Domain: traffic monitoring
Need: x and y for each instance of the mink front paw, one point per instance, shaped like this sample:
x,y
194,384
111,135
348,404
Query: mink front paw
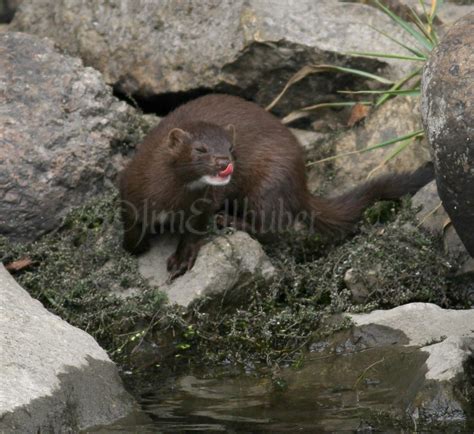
x,y
181,261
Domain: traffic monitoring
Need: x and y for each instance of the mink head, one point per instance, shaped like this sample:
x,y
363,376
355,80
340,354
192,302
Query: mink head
x,y
202,154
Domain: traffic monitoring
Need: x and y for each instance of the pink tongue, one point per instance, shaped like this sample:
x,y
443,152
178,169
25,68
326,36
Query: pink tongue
x,y
227,171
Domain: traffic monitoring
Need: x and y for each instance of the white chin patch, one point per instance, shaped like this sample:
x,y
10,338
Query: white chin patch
x,y
209,180
216,180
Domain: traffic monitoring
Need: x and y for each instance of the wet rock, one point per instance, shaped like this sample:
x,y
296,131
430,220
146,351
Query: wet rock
x,y
448,117
447,336
224,265
395,118
55,377
437,331
148,48
63,135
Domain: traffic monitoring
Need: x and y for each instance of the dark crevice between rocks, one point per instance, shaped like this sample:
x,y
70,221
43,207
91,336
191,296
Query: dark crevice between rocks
x,y
163,103
7,11
324,88
6,16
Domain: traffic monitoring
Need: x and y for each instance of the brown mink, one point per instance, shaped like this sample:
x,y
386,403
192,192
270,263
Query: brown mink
x,y
222,154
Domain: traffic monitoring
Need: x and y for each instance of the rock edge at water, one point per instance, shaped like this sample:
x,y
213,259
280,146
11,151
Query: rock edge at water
x,y
54,377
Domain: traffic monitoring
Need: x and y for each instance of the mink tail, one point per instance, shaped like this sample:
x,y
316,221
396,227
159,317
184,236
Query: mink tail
x,y
338,215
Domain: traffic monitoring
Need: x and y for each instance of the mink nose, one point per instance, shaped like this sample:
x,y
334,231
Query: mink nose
x,y
222,163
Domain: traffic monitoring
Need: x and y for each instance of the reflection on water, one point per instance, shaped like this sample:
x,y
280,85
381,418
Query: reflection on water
x,y
330,393
215,403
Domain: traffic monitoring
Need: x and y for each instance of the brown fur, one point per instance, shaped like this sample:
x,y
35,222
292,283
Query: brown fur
x,y
269,176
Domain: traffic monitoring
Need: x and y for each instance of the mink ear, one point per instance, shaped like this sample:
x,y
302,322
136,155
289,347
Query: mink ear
x,y
230,128
177,138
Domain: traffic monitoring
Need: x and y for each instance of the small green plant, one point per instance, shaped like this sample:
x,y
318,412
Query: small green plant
x,y
424,38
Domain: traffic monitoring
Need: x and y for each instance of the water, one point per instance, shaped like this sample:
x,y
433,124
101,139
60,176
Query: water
x,y
331,393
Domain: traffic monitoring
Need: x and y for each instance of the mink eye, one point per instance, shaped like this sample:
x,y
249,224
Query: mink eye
x,y
201,149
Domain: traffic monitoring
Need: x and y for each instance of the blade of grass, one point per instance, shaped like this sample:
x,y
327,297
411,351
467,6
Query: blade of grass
x,y
434,35
417,83
429,19
435,4
406,26
398,85
299,75
387,55
361,73
371,148
401,146
430,213
312,69
406,92
401,44
421,25
305,111
425,12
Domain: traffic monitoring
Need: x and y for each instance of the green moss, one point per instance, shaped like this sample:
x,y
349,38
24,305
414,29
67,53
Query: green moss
x,y
280,320
80,272
381,212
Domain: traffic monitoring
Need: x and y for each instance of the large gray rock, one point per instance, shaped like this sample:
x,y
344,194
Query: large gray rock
x,y
222,269
253,47
54,377
446,335
395,118
442,389
448,117
62,135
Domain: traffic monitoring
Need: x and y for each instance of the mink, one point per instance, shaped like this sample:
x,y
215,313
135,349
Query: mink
x,y
222,155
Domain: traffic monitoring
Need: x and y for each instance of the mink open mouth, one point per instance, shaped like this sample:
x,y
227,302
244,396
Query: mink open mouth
x,y
216,180
227,171
222,178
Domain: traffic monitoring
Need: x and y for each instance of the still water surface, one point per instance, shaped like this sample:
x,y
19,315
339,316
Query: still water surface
x,y
329,394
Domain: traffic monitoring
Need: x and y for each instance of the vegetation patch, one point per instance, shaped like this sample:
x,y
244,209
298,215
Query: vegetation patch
x,y
81,273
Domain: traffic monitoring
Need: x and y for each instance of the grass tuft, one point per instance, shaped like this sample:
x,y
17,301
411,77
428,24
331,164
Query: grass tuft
x,y
425,39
